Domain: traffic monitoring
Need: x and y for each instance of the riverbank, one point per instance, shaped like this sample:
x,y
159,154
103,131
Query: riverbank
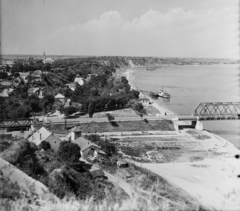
x,y
199,162
212,176
129,73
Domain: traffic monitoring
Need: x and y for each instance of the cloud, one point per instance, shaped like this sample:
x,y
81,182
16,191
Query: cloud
x,y
176,33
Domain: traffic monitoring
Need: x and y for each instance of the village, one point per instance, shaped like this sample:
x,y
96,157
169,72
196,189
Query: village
x,y
110,129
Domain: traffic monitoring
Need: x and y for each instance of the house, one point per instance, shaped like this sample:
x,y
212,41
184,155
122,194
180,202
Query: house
x,y
79,80
48,61
71,86
60,97
85,145
10,63
54,142
89,149
35,90
44,135
4,93
9,90
39,136
76,132
32,90
38,72
6,83
24,75
145,101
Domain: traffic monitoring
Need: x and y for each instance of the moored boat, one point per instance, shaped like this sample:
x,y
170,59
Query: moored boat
x,y
163,94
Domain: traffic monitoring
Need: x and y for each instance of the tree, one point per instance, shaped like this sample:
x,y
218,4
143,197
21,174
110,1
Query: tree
x,y
44,145
91,109
110,117
69,152
34,103
47,102
70,110
137,107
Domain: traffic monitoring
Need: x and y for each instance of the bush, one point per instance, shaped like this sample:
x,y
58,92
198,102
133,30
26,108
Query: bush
x,y
110,117
70,110
44,145
69,151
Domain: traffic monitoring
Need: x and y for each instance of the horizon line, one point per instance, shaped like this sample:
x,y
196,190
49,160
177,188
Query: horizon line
x,y
66,55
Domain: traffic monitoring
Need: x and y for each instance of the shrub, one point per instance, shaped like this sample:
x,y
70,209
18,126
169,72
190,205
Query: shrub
x,y
70,110
69,152
44,145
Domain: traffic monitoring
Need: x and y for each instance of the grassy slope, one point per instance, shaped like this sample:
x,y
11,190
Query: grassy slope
x,y
92,127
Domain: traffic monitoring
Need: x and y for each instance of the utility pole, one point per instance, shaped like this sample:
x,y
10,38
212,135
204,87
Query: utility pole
x,y
65,123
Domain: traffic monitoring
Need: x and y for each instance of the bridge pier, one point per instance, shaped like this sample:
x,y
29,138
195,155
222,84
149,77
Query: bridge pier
x,y
198,125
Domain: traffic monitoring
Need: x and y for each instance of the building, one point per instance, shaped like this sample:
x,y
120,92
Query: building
x,y
54,142
38,72
76,132
4,94
71,86
6,83
24,76
90,150
39,136
48,61
79,80
35,90
85,145
44,135
145,101
60,97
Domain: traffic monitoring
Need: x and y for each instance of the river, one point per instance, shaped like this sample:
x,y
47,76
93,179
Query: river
x,y
190,85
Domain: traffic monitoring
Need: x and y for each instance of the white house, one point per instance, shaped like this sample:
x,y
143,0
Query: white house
x,y
39,136
48,61
44,135
75,133
4,93
60,97
145,101
79,80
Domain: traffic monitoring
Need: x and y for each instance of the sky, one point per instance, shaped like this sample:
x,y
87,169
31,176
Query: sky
x,y
159,28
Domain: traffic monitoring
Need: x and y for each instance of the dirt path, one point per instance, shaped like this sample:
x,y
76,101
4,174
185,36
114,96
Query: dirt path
x,y
120,182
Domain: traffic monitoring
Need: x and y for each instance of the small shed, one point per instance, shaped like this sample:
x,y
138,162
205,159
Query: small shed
x,y
144,101
76,132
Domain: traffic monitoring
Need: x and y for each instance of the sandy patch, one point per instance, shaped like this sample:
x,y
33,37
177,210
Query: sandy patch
x,y
213,182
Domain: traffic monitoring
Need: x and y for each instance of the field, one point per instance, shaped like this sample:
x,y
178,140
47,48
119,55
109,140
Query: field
x,y
163,149
152,125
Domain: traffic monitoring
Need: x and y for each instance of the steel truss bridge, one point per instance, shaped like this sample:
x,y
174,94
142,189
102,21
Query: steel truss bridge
x,y
15,123
218,111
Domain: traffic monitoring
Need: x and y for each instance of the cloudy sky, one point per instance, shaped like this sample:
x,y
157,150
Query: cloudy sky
x,y
162,28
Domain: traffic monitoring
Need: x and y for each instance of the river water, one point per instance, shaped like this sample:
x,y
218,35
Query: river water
x,y
190,85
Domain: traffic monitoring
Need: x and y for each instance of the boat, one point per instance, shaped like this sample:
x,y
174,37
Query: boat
x,y
163,94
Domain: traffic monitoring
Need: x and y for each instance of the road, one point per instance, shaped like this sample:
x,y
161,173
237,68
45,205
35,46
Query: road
x,y
87,120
